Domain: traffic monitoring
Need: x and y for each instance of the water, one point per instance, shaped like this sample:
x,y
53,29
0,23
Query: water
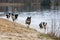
x,y
38,17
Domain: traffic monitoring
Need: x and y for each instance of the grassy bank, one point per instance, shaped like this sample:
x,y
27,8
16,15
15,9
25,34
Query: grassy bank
x,y
15,31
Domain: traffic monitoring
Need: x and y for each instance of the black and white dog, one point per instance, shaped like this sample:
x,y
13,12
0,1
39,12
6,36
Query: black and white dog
x,y
8,15
28,21
14,16
43,25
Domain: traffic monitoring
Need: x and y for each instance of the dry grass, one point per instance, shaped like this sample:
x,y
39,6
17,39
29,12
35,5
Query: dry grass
x,y
14,31
48,36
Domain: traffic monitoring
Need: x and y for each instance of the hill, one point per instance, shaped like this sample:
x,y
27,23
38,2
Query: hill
x,y
15,31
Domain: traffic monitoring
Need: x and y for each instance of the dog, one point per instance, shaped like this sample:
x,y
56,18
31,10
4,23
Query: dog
x,y
8,15
43,25
14,17
28,21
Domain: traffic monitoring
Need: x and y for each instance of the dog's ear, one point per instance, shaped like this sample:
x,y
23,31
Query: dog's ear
x,y
9,13
30,16
27,17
